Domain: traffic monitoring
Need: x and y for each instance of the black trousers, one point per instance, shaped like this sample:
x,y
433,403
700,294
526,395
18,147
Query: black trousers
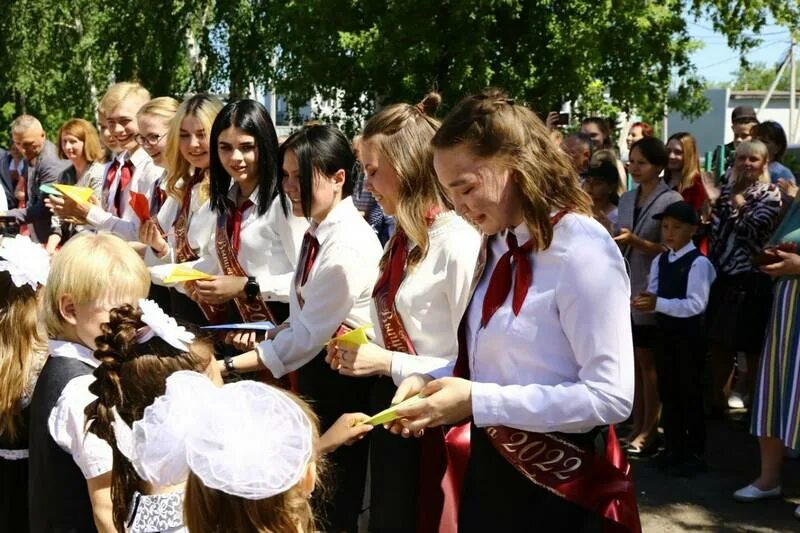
x,y
332,395
393,469
680,353
496,497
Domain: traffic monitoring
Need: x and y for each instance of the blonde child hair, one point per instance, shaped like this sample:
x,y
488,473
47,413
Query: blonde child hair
x,y
91,267
119,92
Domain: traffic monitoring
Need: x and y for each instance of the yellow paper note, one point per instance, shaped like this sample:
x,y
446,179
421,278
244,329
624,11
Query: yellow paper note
x,y
358,336
182,274
79,194
390,414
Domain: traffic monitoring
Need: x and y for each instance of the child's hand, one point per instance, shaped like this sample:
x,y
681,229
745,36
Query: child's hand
x,y
625,236
644,302
349,428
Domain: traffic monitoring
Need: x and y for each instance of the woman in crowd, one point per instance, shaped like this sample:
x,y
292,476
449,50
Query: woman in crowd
x,y
742,221
252,244
423,289
640,241
178,232
79,143
776,409
330,293
23,349
602,184
683,170
637,131
555,354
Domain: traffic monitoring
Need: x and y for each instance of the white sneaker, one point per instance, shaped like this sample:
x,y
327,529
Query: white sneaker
x,y
735,401
751,493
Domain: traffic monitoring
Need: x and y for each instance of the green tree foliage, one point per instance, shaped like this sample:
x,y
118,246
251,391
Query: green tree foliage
x,y
604,55
759,77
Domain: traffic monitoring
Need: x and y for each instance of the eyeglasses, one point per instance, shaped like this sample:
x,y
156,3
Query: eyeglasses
x,y
148,140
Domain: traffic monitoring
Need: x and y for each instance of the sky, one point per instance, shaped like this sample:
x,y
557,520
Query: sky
x,y
717,63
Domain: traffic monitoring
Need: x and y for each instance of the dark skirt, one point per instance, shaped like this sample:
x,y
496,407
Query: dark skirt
x,y
738,310
331,395
13,494
496,497
394,470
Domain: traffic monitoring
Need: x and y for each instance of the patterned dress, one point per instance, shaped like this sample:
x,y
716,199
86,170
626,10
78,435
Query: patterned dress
x,y
156,513
776,407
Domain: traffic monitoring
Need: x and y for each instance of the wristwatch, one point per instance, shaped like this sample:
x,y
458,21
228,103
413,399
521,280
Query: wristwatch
x,y
251,288
229,368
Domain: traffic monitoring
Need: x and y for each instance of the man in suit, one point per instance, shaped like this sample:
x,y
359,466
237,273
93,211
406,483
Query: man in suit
x,y
43,166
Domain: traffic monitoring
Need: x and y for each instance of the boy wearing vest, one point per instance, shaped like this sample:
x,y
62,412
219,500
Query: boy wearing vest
x,y
677,291
69,469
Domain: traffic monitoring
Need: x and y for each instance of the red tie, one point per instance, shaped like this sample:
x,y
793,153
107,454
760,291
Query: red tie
x,y
500,282
308,254
395,269
124,179
235,224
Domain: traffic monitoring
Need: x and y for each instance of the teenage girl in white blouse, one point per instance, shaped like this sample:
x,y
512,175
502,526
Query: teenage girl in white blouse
x,y
442,250
553,354
332,287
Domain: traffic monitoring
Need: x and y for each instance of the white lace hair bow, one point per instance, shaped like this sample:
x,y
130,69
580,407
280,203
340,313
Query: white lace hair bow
x,y
160,324
246,439
26,261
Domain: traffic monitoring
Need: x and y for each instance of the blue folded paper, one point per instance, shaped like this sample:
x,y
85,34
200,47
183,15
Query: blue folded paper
x,y
257,326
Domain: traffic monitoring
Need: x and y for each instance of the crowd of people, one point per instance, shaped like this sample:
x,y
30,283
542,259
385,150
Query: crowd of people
x,y
185,297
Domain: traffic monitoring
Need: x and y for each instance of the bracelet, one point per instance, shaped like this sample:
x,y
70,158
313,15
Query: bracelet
x,y
229,365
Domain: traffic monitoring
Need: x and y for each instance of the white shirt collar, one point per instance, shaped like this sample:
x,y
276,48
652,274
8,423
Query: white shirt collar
x,y
72,350
139,157
683,251
233,194
343,211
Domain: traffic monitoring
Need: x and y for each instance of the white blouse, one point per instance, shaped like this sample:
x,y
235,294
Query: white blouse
x,y
199,233
566,362
434,295
126,225
67,421
268,246
338,290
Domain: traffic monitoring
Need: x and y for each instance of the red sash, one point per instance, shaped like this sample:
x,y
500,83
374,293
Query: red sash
x,y
255,310
433,459
215,314
600,484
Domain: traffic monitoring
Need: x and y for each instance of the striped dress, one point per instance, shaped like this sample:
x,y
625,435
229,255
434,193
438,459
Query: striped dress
x,y
776,407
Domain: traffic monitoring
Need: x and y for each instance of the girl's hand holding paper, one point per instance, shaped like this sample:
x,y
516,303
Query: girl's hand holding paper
x,y
348,429
220,289
367,359
445,401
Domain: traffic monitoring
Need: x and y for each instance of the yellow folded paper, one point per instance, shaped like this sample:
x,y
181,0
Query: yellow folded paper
x,y
390,414
78,194
181,274
358,336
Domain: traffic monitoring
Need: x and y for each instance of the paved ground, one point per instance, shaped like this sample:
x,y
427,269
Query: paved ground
x,y
704,503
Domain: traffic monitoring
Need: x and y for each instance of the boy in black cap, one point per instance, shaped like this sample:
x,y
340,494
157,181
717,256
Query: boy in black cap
x,y
680,281
743,118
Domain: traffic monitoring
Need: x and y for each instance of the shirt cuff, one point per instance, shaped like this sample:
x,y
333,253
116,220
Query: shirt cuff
x,y
397,368
97,217
266,353
443,372
662,306
486,405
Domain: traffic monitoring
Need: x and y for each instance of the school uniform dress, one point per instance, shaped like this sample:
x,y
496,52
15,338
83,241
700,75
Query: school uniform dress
x,y
127,172
556,359
266,246
640,221
63,455
681,280
429,303
776,405
188,225
741,296
156,513
332,288
14,466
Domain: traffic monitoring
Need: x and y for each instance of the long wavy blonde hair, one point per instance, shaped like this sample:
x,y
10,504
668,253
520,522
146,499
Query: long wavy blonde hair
x,y
205,107
22,342
492,125
403,133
